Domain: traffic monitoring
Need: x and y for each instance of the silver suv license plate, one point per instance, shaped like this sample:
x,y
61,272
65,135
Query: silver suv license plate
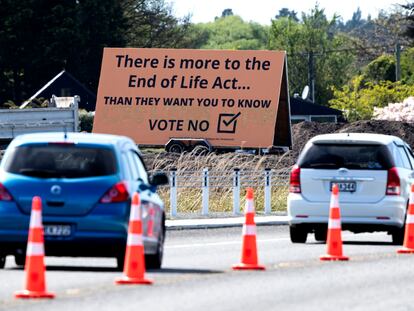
x,y
57,230
349,186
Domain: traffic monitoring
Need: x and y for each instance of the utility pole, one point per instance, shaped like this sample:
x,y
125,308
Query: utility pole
x,y
397,61
311,76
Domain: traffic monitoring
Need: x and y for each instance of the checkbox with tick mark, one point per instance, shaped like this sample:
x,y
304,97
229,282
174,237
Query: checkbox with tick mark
x,y
227,123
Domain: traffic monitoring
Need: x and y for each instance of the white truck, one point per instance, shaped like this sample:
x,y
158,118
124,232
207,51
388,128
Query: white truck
x,y
14,122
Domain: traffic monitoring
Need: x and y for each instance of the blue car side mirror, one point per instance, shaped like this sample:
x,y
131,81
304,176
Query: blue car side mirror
x,y
144,187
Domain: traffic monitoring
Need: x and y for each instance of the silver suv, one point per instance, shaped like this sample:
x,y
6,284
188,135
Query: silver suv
x,y
374,173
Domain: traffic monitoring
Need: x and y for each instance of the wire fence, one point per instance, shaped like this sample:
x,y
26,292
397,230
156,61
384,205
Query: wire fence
x,y
213,191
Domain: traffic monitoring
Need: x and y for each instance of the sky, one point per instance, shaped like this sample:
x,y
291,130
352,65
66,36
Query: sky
x,y
262,11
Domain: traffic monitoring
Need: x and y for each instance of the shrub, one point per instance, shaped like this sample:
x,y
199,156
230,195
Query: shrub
x,y
358,99
85,120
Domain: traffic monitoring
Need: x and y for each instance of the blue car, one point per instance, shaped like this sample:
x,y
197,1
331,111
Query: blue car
x,y
85,182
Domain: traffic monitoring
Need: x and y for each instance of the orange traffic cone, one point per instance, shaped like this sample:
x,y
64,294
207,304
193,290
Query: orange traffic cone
x,y
249,259
334,240
34,266
408,245
134,267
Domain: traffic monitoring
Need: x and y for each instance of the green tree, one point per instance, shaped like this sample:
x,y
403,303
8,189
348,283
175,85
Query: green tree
x,y
232,33
99,24
379,36
197,36
39,38
355,22
409,10
313,40
227,12
407,66
285,12
380,69
151,23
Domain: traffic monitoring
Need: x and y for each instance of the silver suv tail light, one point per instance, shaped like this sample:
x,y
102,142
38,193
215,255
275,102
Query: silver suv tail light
x,y
393,182
294,185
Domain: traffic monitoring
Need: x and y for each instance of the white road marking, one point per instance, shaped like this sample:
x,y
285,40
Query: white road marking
x,y
191,245
222,243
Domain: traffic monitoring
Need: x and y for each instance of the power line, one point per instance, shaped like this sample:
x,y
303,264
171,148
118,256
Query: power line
x,y
361,49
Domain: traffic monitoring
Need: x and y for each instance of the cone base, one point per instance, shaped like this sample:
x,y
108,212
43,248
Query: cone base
x,y
127,280
26,294
244,266
405,250
333,258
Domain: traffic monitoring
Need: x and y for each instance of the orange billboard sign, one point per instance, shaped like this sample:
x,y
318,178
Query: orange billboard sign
x,y
229,98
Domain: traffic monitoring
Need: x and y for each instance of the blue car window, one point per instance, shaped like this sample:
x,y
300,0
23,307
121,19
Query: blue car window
x,y
61,161
142,172
133,166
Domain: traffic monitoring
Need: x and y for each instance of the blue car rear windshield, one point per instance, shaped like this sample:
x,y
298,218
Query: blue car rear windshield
x,y
358,157
61,161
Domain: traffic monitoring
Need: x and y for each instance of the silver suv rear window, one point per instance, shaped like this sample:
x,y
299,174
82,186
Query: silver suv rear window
x,y
359,157
61,161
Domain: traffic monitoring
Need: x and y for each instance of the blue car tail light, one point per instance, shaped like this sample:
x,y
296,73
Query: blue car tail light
x,y
4,194
117,193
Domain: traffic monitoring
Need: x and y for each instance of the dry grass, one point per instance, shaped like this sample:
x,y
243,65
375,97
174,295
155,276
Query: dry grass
x,y
220,162
189,168
221,202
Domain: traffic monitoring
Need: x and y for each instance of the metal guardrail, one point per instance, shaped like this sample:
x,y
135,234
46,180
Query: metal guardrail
x,y
206,180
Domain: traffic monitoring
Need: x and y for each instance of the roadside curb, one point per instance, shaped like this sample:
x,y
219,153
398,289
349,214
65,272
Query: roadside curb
x,y
183,224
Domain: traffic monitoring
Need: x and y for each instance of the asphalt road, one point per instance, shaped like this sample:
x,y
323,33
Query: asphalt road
x,y
197,275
